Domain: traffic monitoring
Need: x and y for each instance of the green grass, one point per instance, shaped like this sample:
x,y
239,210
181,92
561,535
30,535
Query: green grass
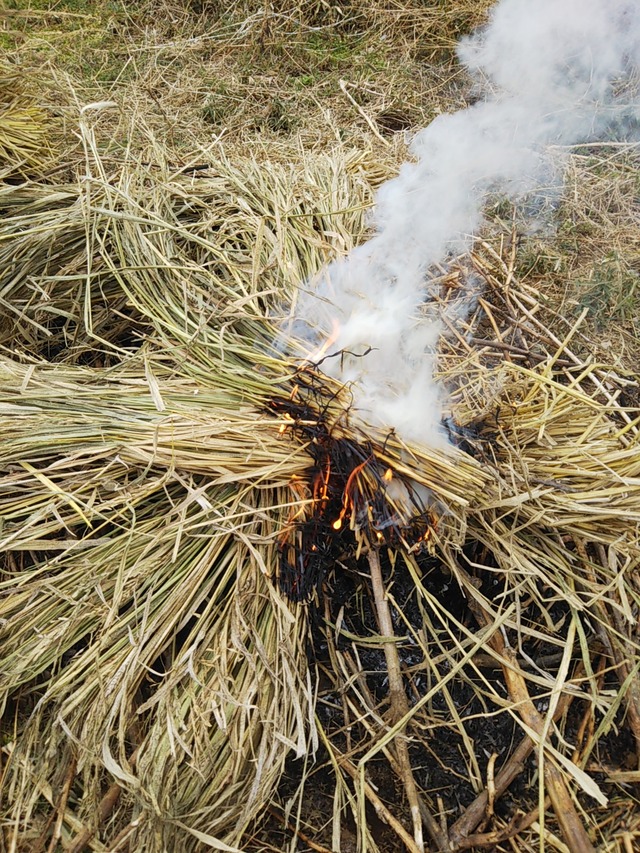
x,y
82,37
611,293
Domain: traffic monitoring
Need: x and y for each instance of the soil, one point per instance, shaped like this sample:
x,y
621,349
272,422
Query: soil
x,y
439,757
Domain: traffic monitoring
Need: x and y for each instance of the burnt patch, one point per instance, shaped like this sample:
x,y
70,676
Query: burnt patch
x,y
349,501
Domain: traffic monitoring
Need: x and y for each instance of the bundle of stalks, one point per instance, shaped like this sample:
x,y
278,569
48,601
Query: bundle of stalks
x,y
168,642
557,547
24,128
151,476
81,263
549,574
140,626
166,471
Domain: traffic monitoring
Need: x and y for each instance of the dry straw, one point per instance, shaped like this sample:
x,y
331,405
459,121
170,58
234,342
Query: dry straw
x,y
24,127
145,485
154,678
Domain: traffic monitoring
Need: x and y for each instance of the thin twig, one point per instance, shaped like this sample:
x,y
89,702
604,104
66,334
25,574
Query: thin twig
x,y
400,709
620,647
460,832
343,88
297,832
62,805
490,839
378,805
500,345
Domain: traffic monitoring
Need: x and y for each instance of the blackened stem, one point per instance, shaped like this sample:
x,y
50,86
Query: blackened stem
x,y
400,711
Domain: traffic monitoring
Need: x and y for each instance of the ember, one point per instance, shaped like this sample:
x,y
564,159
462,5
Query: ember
x,y
349,503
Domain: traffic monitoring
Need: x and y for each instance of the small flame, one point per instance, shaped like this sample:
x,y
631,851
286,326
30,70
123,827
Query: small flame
x,y
289,421
388,475
320,353
321,484
348,498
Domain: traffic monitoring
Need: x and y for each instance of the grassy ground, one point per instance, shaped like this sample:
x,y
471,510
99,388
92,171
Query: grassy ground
x,y
257,75
273,80
203,145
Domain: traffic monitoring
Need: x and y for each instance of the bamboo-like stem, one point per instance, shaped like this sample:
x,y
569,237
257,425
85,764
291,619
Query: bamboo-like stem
x,y
473,814
572,828
400,709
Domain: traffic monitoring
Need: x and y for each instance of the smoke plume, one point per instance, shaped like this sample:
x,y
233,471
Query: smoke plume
x,y
552,73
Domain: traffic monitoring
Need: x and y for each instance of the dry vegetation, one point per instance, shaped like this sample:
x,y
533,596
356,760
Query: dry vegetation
x,y
170,174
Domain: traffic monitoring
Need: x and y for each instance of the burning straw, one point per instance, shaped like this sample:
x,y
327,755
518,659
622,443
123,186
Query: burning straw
x,y
161,469
167,472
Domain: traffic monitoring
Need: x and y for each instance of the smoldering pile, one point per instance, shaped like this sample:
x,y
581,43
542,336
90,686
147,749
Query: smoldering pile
x,y
549,75
156,451
163,464
351,499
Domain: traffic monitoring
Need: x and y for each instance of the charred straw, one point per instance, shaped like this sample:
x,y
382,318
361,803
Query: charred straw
x,y
351,499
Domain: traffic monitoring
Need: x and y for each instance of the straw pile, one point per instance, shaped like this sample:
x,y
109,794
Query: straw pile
x,y
24,127
146,650
155,678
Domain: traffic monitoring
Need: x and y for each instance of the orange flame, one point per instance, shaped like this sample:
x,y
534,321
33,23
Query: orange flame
x,y
289,421
321,484
347,498
333,337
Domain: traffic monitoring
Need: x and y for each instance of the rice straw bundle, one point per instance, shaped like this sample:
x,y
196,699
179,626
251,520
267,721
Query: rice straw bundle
x,y
167,641
164,639
570,471
146,481
136,240
157,449
24,127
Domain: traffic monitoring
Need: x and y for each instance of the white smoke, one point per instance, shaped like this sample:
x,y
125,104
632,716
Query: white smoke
x,y
551,74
